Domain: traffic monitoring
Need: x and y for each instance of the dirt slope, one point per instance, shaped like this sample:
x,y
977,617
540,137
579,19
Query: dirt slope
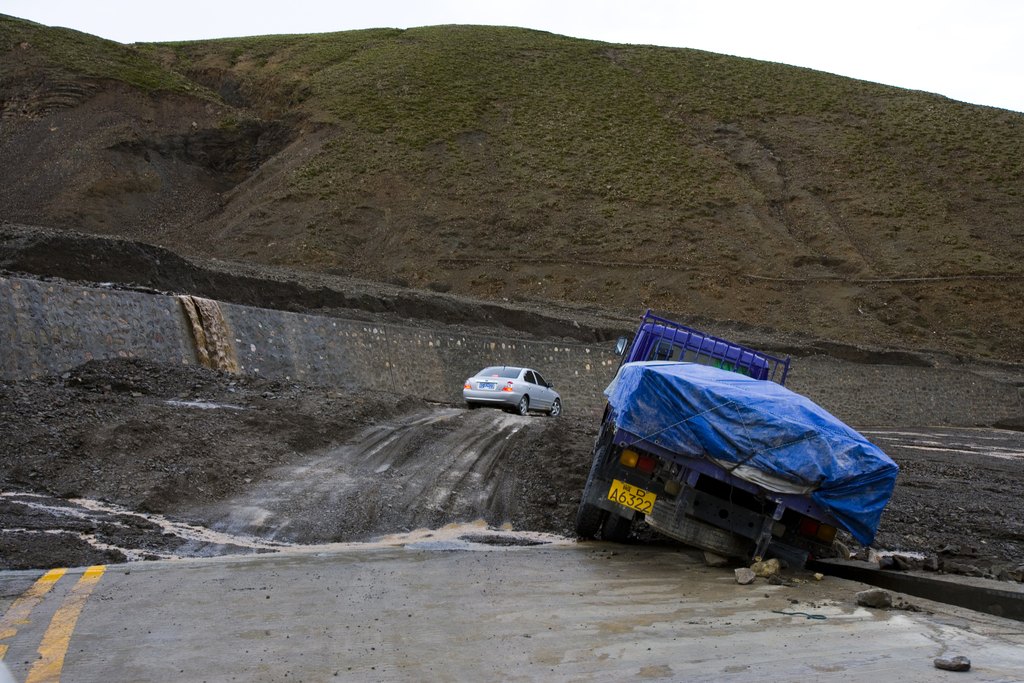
x,y
508,163
224,452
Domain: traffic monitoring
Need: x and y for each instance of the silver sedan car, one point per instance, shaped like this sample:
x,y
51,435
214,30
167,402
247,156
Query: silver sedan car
x,y
518,390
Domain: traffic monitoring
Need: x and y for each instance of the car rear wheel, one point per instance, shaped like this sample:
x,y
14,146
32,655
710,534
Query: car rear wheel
x,y
556,408
524,405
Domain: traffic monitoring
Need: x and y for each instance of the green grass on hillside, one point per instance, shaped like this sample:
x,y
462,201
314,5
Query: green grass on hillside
x,y
608,149
66,53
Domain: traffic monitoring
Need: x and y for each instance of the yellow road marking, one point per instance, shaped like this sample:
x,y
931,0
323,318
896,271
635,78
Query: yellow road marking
x,y
21,609
58,635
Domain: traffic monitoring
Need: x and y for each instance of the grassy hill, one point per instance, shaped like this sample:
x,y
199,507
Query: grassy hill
x,y
510,163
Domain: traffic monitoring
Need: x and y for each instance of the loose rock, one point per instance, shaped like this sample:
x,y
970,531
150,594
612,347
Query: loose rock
x,y
876,598
840,550
906,563
766,568
953,664
714,560
745,576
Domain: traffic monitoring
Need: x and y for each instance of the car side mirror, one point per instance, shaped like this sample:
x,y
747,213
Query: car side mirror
x,y
620,346
550,384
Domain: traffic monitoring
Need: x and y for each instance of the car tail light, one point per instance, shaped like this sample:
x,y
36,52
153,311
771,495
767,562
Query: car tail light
x,y
468,386
629,458
809,527
645,464
507,387
827,533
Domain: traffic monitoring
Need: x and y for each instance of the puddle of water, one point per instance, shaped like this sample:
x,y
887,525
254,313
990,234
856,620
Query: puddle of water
x,y
86,509
204,406
947,443
470,536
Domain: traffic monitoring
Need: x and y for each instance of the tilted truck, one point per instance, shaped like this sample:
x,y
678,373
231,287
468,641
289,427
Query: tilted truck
x,y
701,437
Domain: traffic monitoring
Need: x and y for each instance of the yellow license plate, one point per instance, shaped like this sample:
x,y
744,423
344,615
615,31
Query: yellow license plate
x,y
632,497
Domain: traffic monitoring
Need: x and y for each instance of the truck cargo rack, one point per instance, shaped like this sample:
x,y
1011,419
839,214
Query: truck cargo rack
x,y
670,341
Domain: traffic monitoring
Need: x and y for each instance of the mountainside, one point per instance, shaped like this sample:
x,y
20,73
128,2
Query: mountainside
x,y
509,163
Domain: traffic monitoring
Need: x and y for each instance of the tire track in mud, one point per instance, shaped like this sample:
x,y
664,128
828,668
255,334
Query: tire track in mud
x,y
424,471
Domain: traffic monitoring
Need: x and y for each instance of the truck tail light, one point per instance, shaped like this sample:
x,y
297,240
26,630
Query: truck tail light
x,y
629,458
645,464
507,387
809,527
827,533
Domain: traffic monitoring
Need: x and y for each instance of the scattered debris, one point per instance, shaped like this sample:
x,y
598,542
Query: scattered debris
x,y
902,604
900,563
875,597
766,568
953,664
779,580
714,560
745,576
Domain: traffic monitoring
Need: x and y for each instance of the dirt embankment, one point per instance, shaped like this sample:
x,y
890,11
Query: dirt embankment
x,y
207,448
263,463
68,255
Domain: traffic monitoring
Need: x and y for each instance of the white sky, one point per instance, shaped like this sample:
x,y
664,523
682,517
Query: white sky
x,y
970,50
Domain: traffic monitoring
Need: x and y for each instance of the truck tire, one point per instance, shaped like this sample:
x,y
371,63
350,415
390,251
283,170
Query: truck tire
x,y
616,528
590,518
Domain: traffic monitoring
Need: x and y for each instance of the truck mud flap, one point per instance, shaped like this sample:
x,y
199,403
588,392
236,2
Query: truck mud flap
x,y
598,495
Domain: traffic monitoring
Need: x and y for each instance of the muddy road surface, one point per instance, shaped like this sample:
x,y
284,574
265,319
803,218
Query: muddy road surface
x,y
127,459
130,459
423,470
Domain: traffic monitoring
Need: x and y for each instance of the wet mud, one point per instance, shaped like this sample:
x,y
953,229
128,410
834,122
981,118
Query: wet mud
x,y
125,460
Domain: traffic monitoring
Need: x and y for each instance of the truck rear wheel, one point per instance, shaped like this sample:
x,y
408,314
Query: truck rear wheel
x,y
590,518
616,528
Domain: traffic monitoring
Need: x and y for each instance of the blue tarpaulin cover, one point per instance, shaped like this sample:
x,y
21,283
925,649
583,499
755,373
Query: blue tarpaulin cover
x,y
703,411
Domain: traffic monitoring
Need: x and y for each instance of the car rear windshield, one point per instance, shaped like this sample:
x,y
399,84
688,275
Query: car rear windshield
x,y
499,371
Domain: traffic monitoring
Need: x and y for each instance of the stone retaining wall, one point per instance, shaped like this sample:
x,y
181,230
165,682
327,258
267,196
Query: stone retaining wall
x,y
48,328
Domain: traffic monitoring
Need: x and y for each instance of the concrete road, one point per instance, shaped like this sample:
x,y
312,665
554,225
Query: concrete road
x,y
419,612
